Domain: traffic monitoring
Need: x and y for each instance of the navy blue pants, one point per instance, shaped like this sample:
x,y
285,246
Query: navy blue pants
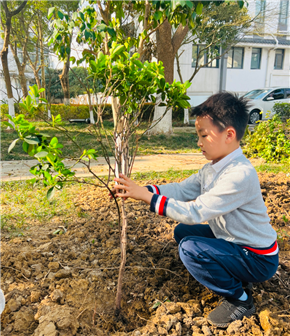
x,y
220,265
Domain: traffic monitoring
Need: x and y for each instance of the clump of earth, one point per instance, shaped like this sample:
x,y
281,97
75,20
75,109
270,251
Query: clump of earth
x,y
65,284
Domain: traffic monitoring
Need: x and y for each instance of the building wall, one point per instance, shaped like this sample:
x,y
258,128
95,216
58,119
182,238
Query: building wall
x,y
16,88
207,80
246,79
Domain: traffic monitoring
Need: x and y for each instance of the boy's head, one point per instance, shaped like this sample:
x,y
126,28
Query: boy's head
x,y
221,122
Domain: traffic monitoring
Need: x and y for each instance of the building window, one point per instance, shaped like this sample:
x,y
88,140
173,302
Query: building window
x,y
260,14
279,58
260,10
283,15
204,56
256,58
236,58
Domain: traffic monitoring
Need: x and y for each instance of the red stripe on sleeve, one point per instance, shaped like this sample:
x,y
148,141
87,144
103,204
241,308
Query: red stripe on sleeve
x,y
157,191
161,206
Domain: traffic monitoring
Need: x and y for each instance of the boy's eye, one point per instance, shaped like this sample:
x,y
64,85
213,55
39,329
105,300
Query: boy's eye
x,y
203,136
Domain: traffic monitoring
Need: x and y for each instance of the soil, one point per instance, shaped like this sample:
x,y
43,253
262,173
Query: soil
x,y
65,284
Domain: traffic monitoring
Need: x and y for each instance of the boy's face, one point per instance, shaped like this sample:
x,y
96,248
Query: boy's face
x,y
215,145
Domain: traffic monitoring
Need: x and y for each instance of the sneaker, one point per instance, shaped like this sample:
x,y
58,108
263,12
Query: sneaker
x,y
247,285
230,310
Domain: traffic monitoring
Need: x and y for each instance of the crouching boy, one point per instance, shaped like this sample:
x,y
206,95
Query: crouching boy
x,y
238,246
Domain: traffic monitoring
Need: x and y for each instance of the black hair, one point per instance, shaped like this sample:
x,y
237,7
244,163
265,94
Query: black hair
x,y
225,109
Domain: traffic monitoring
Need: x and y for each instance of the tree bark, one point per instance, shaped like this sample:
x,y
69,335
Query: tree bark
x,y
23,81
167,47
42,63
65,81
21,68
122,165
4,52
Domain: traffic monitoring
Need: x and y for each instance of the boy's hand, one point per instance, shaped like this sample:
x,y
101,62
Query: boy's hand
x,y
132,189
114,191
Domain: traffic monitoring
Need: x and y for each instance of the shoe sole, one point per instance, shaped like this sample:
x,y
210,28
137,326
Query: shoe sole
x,y
224,325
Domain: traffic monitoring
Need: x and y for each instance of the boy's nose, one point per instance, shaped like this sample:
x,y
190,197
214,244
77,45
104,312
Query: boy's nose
x,y
199,143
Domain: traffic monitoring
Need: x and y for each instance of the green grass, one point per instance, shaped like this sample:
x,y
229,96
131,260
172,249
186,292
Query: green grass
x,y
273,168
177,143
168,175
22,204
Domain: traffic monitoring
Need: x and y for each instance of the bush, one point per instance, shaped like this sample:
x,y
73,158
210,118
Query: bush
x,y
282,110
82,112
270,141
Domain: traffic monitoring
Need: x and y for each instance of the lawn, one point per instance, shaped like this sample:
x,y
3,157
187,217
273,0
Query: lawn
x,y
23,204
180,142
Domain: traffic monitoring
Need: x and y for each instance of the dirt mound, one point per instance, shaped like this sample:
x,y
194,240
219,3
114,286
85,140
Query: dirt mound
x,y
65,284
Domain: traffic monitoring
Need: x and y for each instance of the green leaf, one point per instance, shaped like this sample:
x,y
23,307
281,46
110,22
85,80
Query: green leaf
x,y
50,12
60,15
199,8
25,146
91,151
112,32
13,143
32,140
117,50
50,193
53,142
187,84
102,27
87,35
156,304
6,123
41,154
157,15
162,83
241,4
138,63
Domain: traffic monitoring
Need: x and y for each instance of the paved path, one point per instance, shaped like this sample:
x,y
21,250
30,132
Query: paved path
x,y
19,170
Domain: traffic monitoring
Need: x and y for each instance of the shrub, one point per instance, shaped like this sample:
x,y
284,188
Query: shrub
x,y
82,112
270,141
3,110
282,110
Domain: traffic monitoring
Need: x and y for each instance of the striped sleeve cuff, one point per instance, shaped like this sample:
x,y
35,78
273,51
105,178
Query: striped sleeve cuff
x,y
159,204
154,189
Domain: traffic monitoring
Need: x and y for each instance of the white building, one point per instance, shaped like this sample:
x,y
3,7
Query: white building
x,y
16,87
257,61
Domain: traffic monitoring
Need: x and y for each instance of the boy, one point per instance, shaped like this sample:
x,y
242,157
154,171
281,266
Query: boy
x,y
238,246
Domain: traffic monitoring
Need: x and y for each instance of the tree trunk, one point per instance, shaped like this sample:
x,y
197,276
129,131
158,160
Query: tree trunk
x,y
4,52
167,47
41,56
37,79
21,68
23,81
65,83
92,120
4,57
122,165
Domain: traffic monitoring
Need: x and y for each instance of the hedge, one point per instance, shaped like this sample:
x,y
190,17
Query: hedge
x,y
282,109
81,112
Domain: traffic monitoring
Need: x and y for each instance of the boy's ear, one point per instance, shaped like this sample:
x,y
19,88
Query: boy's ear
x,y
231,135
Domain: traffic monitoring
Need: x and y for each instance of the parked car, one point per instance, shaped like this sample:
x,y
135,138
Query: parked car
x,y
263,100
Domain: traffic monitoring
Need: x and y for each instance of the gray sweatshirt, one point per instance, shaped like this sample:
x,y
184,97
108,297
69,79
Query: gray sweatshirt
x,y
232,204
